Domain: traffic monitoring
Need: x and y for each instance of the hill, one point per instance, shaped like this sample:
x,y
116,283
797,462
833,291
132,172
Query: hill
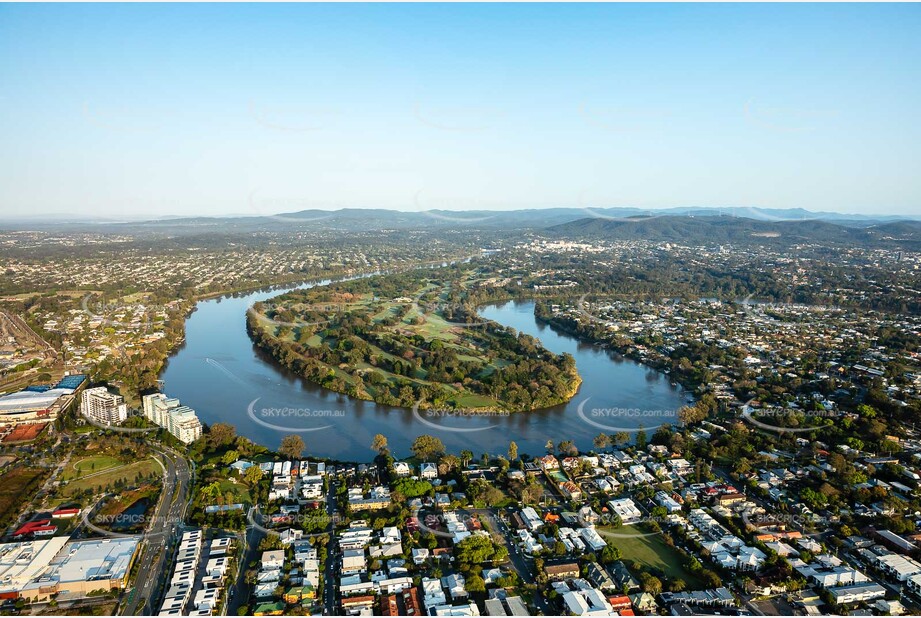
x,y
710,230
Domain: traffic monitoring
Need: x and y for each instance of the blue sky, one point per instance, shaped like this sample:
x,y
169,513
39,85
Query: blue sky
x,y
148,110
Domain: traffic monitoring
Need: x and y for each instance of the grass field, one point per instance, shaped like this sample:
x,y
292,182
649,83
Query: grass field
x,y
237,492
106,479
106,608
650,551
90,465
17,485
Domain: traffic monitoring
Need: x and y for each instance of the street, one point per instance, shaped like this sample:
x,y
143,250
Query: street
x,y
329,573
160,536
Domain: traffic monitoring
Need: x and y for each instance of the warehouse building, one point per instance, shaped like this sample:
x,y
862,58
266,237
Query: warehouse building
x,y
84,566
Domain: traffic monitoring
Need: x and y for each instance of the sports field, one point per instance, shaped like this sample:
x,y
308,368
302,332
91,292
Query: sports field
x,y
637,544
90,465
101,479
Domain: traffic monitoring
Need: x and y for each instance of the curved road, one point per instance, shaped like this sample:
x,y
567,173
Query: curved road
x,y
161,535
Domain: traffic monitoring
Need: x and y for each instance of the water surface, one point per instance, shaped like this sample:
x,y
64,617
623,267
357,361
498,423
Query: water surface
x,y
225,378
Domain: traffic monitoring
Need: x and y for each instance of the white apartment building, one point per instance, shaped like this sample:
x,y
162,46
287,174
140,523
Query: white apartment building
x,y
101,406
181,421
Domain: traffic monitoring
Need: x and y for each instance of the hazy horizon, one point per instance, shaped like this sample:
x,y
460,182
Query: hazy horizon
x,y
149,111
590,211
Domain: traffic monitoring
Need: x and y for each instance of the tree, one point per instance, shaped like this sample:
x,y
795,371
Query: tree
x,y
651,584
621,438
567,447
512,451
711,579
609,554
427,447
641,439
253,475
292,446
478,549
601,441
466,456
448,464
379,444
692,414
475,583
210,492
677,585
221,434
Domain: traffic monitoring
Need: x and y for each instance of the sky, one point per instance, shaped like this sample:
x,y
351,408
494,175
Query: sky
x,y
152,110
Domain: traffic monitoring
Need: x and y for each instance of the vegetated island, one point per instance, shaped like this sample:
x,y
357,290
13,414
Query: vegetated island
x,y
409,339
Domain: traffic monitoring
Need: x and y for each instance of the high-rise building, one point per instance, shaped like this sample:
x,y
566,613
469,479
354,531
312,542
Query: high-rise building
x,y
157,408
101,406
181,421
184,424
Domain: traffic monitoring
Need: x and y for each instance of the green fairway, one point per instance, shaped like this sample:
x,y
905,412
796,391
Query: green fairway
x,y
90,465
105,480
402,340
637,545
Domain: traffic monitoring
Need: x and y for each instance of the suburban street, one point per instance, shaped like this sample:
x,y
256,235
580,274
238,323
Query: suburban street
x,y
517,560
240,589
329,573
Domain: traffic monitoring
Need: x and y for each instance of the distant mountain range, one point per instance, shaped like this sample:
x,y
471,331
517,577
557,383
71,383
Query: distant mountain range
x,y
672,222
739,230
375,218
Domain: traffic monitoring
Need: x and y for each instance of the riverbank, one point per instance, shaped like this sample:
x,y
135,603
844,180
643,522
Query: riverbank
x,y
351,340
157,356
221,374
627,351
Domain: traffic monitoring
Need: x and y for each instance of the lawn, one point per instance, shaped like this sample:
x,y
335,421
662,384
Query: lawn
x,y
90,465
17,486
235,492
637,545
473,400
103,480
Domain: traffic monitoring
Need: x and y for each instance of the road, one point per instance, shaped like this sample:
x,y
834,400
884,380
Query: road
x,y
522,565
241,590
161,535
330,601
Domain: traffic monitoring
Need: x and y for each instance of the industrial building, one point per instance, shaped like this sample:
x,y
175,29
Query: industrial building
x,y
36,570
37,404
20,563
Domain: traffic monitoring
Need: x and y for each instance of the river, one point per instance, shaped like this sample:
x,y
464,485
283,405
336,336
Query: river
x,y
225,378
